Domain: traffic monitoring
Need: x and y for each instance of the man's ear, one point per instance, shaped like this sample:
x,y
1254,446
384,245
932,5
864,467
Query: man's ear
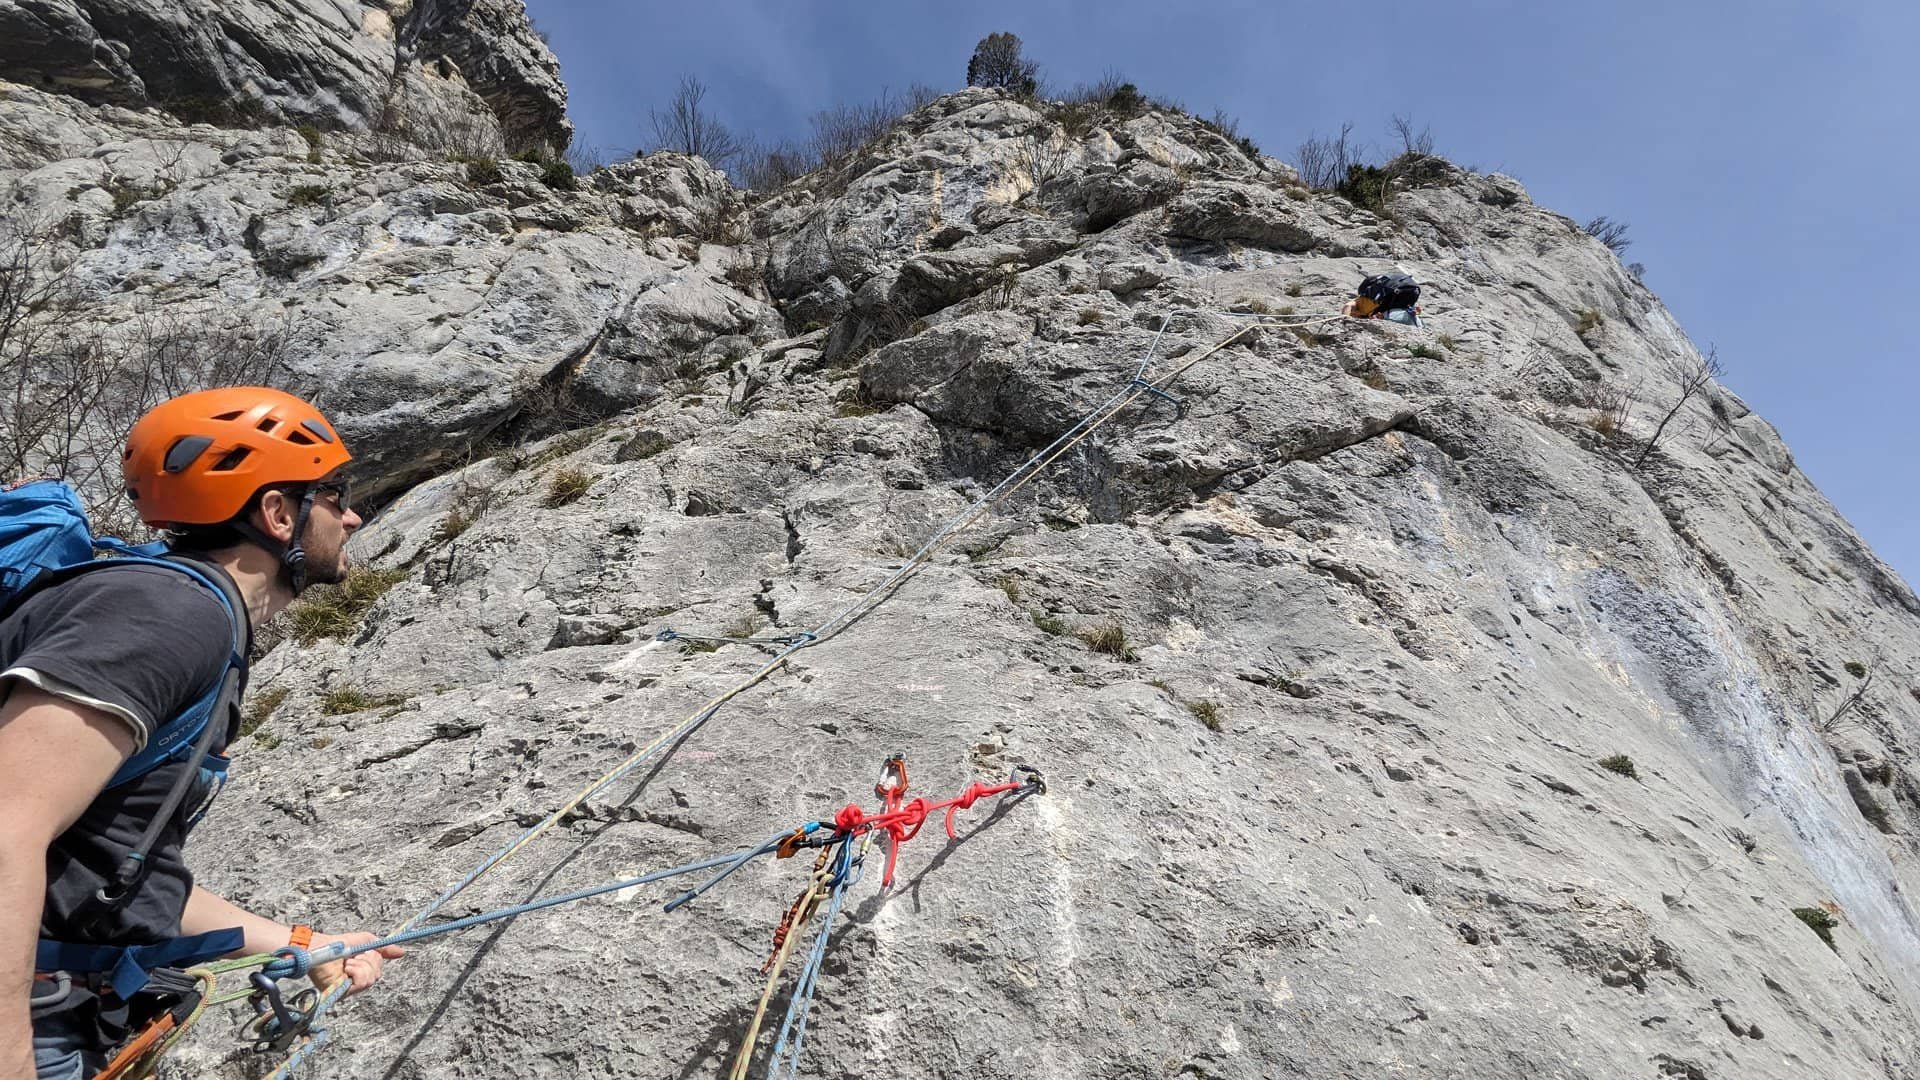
x,y
277,515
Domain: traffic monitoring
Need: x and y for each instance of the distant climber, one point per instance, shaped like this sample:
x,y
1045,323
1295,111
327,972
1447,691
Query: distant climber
x,y
104,668
1394,297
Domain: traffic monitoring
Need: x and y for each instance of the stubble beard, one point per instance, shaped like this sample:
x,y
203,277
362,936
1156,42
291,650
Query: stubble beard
x,y
328,571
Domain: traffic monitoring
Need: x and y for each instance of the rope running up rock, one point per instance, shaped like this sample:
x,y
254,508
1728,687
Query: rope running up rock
x,y
1139,385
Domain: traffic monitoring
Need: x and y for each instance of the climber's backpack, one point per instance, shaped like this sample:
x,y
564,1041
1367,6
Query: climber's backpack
x,y
44,540
1391,291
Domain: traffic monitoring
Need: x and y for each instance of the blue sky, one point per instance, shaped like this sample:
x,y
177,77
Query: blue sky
x,y
1763,152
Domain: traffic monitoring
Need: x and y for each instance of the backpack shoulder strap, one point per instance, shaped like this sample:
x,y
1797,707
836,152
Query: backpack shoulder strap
x,y
178,732
194,728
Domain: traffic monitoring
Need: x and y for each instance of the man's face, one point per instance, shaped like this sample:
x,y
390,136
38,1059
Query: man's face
x,y
329,524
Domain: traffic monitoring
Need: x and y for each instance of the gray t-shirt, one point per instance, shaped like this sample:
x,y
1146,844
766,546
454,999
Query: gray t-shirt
x,y
140,643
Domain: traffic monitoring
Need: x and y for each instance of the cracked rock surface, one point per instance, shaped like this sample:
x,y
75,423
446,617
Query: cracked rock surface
x,y
1335,806
476,67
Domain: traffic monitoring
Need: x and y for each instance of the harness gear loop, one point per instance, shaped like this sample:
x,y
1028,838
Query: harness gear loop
x,y
140,1056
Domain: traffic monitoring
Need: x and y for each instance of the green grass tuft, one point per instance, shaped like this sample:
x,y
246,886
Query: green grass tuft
x,y
347,699
314,142
452,526
567,486
331,611
1622,764
558,175
310,195
260,708
1109,638
859,402
1208,713
1820,921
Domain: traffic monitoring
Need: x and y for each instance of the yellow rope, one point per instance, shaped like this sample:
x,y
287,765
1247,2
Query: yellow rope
x,y
810,902
871,600
860,611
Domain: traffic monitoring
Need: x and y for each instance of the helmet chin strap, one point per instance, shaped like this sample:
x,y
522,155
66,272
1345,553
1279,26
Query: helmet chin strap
x,y
292,556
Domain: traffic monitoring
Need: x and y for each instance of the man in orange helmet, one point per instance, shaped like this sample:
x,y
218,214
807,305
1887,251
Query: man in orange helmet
x,y
247,483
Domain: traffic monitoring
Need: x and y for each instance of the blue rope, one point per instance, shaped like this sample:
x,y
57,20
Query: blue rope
x,y
686,728
807,639
293,961
852,612
315,1039
745,857
1143,384
847,875
670,634
283,968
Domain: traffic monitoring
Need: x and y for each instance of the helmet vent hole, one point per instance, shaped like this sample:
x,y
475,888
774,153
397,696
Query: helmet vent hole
x,y
267,425
318,430
232,461
234,415
299,438
183,452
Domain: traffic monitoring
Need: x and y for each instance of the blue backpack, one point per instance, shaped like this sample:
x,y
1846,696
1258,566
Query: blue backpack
x,y
45,539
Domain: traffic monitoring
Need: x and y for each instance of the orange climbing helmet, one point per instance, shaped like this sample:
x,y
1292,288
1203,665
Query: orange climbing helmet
x,y
198,458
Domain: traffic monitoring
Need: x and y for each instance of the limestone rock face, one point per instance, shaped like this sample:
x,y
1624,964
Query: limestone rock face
x,y
474,64
432,303
1402,710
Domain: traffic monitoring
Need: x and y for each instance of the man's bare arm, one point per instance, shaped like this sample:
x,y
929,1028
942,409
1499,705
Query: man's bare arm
x,y
211,911
55,756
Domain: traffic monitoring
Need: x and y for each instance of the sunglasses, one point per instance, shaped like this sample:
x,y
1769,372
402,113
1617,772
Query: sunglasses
x,y
340,490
